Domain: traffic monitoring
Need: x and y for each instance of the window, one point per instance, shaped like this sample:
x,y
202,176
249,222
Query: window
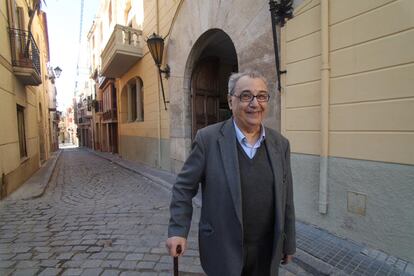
x,y
135,100
21,131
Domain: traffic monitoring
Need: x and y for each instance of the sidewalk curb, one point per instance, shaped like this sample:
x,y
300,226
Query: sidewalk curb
x,y
314,265
36,185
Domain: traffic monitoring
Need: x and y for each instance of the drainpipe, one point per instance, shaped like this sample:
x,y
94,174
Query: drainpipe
x,y
158,94
325,72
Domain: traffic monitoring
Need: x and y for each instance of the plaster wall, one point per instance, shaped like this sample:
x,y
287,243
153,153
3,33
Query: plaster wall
x,y
142,149
249,28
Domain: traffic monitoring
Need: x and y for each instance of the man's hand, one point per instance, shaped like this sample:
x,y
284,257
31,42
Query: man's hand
x,y
172,244
286,259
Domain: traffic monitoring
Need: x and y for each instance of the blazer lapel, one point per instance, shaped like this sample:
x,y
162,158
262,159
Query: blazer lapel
x,y
228,150
274,153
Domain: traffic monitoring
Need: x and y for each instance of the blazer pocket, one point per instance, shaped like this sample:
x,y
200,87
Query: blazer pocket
x,y
205,229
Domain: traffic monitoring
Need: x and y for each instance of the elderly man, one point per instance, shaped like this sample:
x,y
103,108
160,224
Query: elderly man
x,y
247,224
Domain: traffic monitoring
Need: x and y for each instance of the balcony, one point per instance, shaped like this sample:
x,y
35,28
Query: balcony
x,y
25,57
98,106
124,49
110,115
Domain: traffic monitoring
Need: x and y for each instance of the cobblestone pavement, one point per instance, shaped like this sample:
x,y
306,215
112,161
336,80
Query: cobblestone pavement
x,y
95,218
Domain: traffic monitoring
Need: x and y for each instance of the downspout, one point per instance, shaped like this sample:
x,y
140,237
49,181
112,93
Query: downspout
x,y
325,75
158,97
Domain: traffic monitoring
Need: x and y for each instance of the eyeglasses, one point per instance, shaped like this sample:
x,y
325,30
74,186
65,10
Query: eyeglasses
x,y
248,97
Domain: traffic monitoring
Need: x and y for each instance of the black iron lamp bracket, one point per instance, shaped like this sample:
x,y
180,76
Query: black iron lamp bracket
x,y
280,12
165,71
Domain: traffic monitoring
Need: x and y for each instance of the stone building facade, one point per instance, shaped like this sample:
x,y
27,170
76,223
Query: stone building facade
x,y
25,87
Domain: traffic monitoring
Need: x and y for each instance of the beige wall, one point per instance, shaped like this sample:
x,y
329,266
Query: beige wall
x,y
371,102
13,92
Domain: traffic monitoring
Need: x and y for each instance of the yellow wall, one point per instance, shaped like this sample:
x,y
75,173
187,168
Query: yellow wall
x,y
13,92
148,72
371,100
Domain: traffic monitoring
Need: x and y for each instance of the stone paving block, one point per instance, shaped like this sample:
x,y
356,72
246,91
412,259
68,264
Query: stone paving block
x,y
73,242
42,249
134,257
94,249
191,268
166,259
151,257
130,265
21,249
111,272
57,243
81,256
100,255
64,256
159,250
27,264
22,256
92,272
91,263
49,263
72,264
162,267
42,256
50,272
111,263
25,272
145,265
131,273
62,249
116,256
80,248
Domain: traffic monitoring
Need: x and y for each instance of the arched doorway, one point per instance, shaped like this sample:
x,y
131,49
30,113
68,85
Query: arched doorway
x,y
215,59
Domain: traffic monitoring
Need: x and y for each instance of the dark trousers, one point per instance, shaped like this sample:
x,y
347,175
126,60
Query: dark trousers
x,y
257,258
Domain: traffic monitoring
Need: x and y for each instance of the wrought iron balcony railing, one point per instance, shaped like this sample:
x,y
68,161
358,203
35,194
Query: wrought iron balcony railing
x,y
110,115
25,56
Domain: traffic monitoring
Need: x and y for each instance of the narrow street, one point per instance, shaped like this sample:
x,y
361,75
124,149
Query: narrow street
x,y
95,218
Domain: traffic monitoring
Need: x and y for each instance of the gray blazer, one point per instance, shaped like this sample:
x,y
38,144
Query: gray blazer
x,y
213,162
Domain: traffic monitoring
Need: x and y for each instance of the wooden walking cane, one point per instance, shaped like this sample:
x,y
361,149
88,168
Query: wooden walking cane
x,y
176,260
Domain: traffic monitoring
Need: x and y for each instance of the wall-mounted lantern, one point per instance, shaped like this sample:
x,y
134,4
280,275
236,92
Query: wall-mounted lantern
x,y
57,71
280,11
155,45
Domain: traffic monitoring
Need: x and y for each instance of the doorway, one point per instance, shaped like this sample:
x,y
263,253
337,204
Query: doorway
x,y
216,61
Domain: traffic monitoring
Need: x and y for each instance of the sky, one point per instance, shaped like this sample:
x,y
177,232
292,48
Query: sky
x,y
63,18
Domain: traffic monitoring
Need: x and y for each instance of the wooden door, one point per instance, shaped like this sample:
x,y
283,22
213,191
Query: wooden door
x,y
205,94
